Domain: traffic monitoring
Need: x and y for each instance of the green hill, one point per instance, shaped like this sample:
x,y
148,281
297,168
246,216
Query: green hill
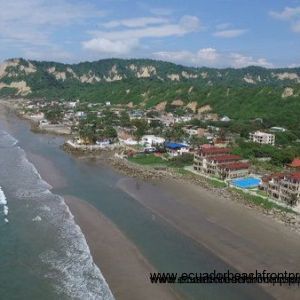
x,y
247,93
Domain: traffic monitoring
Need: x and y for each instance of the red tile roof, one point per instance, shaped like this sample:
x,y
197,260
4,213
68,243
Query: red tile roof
x,y
278,176
295,163
273,176
294,176
224,158
236,166
214,150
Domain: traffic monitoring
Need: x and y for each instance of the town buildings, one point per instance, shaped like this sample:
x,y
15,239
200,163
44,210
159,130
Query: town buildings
x,y
262,138
219,162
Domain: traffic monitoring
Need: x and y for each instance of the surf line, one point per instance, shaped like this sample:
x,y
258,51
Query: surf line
x,y
3,202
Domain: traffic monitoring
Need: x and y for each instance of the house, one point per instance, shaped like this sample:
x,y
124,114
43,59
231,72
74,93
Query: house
x,y
80,114
190,130
277,129
128,142
71,104
151,140
136,114
183,119
107,103
262,138
225,119
295,164
219,162
283,186
176,149
234,170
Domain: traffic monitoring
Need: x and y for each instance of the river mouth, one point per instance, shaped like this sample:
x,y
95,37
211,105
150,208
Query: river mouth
x,y
161,244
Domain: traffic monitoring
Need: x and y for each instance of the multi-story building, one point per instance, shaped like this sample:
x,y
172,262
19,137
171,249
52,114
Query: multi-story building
x,y
283,186
262,138
217,161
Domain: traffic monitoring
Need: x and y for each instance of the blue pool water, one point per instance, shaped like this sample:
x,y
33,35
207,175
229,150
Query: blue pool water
x,y
246,183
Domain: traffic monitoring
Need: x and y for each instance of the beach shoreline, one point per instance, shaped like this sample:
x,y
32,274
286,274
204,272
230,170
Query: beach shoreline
x,y
126,168
125,269
244,238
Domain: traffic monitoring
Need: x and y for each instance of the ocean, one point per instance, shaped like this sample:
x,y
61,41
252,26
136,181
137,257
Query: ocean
x,y
44,254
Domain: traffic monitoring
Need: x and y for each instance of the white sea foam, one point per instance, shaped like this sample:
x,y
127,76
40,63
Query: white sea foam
x,y
37,219
6,140
70,265
3,202
82,278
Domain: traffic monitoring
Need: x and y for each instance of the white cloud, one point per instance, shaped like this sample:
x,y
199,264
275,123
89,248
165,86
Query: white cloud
x,y
129,39
208,54
187,24
32,22
106,46
212,58
135,22
288,13
241,61
230,33
53,54
205,56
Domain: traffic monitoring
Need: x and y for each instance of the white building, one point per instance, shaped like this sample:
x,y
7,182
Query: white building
x,y
225,119
262,138
277,129
152,140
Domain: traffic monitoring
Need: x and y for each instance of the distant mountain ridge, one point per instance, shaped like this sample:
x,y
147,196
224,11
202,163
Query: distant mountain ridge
x,y
240,93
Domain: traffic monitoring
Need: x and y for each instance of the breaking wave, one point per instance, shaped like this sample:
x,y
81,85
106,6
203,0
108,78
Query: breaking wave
x,y
67,259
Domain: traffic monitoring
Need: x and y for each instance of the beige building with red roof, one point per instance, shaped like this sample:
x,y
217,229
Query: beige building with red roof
x,y
218,162
283,186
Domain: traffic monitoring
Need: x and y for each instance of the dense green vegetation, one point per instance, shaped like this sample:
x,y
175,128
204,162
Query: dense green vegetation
x,y
226,90
279,156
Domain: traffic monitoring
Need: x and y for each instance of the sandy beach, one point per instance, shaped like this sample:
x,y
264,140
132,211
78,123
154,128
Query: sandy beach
x,y
123,266
241,237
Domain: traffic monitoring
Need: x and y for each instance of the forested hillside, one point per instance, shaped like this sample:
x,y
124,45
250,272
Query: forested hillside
x,y
252,92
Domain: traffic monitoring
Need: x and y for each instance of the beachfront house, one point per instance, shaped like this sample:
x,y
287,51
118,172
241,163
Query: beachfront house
x,y
283,186
176,149
219,162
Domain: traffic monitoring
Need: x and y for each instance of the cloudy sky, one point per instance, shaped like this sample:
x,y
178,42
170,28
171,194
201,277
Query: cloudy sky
x,y
214,33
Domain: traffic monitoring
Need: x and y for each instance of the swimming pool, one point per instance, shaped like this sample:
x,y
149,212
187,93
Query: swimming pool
x,y
246,183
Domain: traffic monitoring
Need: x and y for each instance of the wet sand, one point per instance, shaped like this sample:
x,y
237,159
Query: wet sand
x,y
122,264
243,238
47,170
125,269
